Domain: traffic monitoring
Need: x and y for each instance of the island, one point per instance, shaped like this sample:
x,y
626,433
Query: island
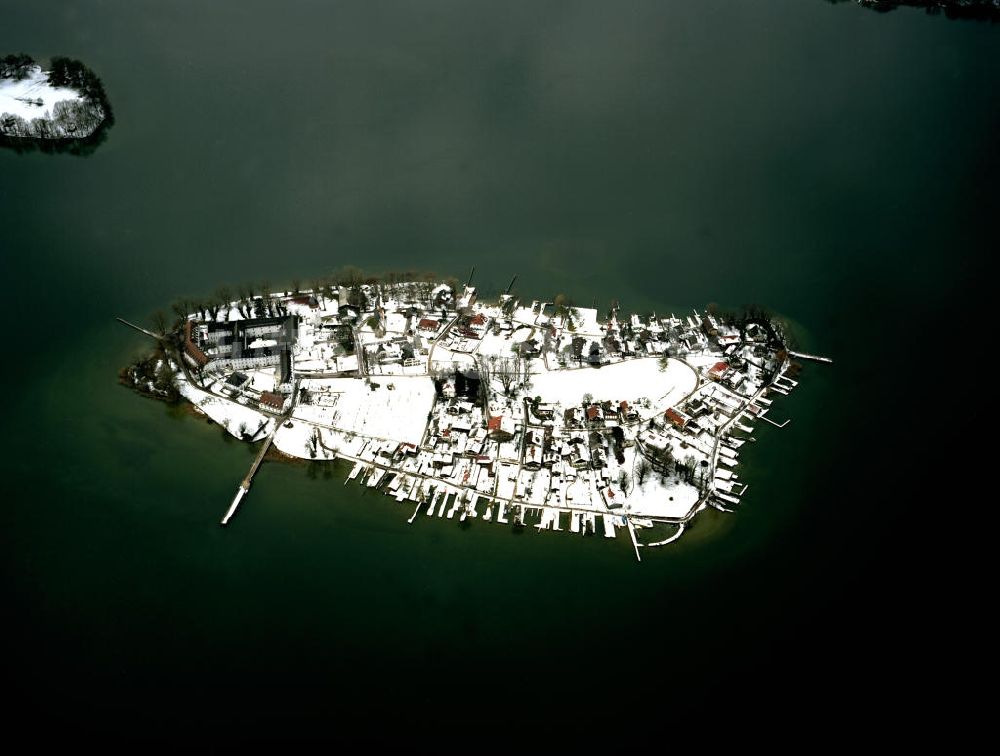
x,y
538,413
979,10
64,102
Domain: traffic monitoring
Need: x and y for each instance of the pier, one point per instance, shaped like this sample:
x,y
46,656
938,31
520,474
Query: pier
x,y
245,485
140,329
814,357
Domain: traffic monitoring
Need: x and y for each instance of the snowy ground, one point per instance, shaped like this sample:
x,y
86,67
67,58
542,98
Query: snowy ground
x,y
13,96
655,500
628,380
350,405
228,414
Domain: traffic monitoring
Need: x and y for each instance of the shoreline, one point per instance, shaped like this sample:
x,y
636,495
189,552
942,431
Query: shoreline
x,y
447,403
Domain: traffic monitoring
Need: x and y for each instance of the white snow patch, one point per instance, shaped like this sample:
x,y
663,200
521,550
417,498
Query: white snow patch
x,y
19,98
627,380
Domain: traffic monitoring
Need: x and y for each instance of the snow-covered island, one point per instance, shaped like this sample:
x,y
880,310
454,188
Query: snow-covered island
x,y
530,413
67,101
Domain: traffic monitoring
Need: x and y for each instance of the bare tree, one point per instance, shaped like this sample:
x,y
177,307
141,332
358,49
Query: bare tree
x,y
159,319
642,470
508,370
225,295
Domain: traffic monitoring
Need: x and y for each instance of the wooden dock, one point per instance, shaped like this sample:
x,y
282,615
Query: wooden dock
x,y
245,485
815,357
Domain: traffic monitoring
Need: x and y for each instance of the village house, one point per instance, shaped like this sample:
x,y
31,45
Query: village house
x,y
627,413
271,401
677,417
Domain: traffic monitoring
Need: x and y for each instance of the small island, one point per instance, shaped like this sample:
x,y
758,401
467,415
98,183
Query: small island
x,y
64,102
538,413
978,10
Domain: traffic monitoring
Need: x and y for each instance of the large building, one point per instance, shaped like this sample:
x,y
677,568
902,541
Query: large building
x,y
248,344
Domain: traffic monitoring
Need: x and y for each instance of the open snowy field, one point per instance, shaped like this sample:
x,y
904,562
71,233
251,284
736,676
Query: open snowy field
x,y
653,499
628,380
230,415
399,413
18,98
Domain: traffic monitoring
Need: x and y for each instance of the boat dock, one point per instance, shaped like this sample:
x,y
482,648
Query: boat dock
x,y
814,357
245,485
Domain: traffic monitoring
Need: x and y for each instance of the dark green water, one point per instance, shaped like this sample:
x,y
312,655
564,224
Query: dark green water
x,y
834,164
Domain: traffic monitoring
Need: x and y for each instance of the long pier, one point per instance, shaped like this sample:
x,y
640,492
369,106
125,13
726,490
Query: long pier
x,y
245,485
815,357
140,329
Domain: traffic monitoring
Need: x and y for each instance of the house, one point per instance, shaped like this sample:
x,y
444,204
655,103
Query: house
x,y
573,417
458,407
627,412
428,325
271,401
580,456
594,414
305,300
597,355
501,427
718,370
677,417
532,457
544,411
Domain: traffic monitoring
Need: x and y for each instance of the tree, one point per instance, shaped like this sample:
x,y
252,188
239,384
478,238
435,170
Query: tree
x,y
623,480
642,470
159,319
225,295
508,370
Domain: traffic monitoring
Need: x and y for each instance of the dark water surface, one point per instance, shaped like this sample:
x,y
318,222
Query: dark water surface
x,y
834,164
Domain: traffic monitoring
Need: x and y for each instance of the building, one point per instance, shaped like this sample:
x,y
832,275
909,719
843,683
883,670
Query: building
x,y
501,427
191,349
271,401
677,417
627,412
428,326
718,370
249,344
235,383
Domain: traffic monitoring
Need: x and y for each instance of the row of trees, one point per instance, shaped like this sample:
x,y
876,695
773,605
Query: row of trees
x,y
511,372
258,300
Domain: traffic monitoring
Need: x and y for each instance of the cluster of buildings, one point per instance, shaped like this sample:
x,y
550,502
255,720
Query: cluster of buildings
x,y
522,409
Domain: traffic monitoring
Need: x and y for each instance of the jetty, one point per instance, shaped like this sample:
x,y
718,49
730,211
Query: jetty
x,y
814,357
140,329
245,485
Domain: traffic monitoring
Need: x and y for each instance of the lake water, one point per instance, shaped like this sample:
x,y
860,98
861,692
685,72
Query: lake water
x,y
834,164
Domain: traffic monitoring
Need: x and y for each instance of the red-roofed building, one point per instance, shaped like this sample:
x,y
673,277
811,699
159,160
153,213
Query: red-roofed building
x,y
192,349
501,427
427,324
718,370
676,417
594,413
272,401
627,412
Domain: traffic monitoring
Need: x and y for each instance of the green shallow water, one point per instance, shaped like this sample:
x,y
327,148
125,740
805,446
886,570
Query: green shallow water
x,y
833,164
